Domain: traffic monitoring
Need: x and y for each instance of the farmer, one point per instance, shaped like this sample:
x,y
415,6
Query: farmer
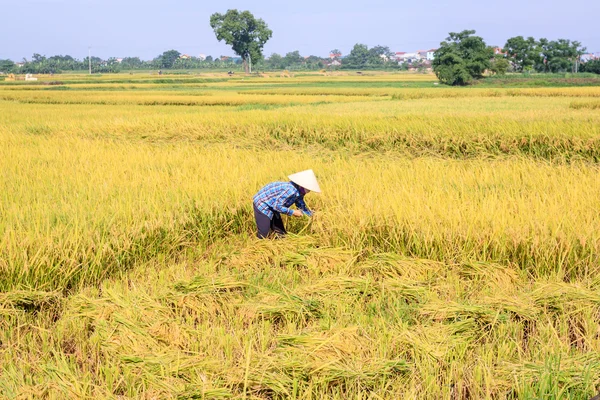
x,y
275,199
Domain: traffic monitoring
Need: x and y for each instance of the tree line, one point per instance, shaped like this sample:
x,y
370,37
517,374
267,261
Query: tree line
x,y
460,59
463,57
360,57
170,59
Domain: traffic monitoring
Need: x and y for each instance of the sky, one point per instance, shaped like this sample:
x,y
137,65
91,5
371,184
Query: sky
x,y
145,29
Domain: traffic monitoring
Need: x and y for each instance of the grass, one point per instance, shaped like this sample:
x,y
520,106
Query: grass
x,y
542,80
454,252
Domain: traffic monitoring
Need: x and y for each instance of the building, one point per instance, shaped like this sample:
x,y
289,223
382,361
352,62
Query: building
x,y
419,56
399,55
202,57
184,57
589,56
499,50
430,55
335,55
408,57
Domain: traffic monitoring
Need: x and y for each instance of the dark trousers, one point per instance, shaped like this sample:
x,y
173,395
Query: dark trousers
x,y
266,225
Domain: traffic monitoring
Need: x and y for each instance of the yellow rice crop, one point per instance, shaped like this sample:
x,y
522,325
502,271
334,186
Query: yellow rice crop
x,y
158,98
454,252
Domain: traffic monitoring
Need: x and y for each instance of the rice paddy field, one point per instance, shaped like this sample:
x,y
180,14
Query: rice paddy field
x,y
454,252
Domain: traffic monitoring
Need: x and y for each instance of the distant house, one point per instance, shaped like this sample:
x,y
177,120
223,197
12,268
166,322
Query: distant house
x,y
334,55
430,54
335,63
498,50
119,60
184,57
202,57
20,64
589,56
410,57
418,56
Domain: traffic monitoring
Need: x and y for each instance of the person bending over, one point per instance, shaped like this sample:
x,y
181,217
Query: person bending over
x,y
276,198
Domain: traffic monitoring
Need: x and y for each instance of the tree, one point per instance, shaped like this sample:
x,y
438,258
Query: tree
x,y
524,53
314,62
6,66
245,34
362,57
276,61
132,63
335,53
37,58
592,66
499,65
167,59
293,58
112,65
560,55
358,57
461,58
208,59
381,52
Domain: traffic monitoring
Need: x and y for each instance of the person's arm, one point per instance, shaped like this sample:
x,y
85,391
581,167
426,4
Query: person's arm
x,y
278,203
302,206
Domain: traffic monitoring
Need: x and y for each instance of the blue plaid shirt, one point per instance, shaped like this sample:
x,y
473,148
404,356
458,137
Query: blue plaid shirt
x,y
279,197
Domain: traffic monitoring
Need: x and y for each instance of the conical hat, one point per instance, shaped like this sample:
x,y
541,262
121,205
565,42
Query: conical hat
x,y
306,179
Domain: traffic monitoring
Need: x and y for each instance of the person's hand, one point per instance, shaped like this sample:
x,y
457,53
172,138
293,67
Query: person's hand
x,y
297,213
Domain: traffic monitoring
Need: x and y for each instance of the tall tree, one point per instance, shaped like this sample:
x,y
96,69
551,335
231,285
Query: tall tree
x,y
167,59
245,34
560,55
379,55
38,58
524,53
461,58
358,57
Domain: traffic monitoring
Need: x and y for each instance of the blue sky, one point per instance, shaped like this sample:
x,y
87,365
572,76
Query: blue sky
x,y
145,29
